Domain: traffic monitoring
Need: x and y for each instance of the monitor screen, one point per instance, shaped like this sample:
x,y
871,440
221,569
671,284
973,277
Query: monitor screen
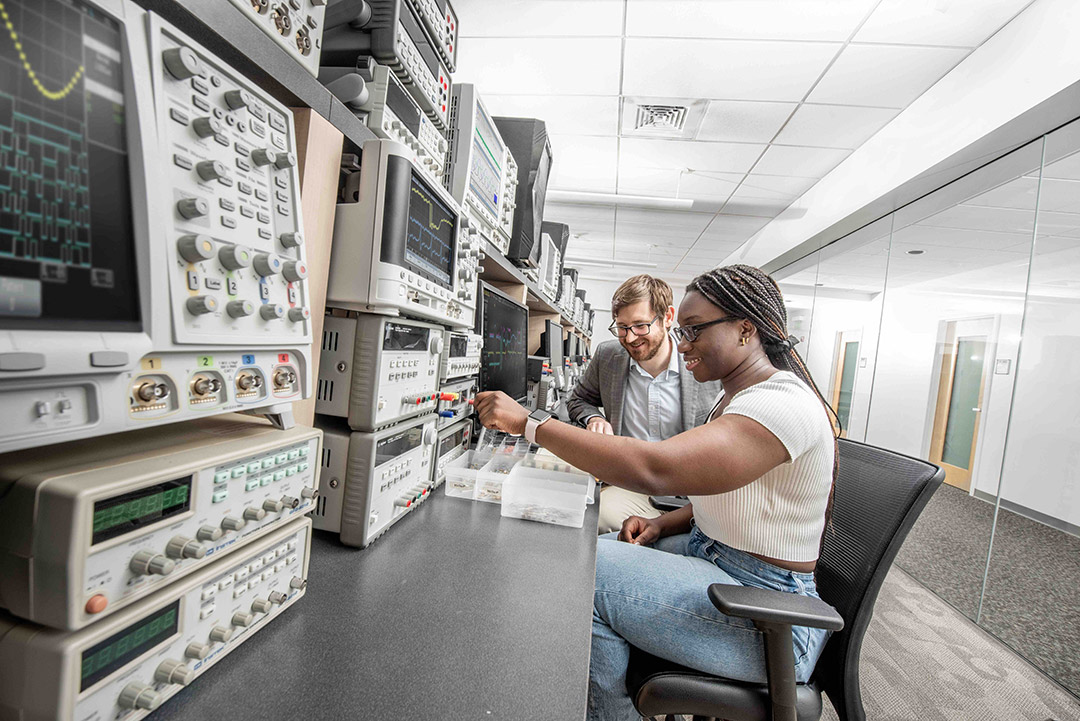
x,y
505,327
67,242
429,241
485,170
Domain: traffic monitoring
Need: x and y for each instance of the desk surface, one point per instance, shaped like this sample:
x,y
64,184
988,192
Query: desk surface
x,y
455,613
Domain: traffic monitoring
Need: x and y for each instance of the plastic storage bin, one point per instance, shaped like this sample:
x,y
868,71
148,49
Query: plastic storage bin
x,y
490,478
536,491
461,473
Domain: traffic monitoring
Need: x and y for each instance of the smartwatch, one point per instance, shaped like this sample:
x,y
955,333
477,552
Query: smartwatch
x,y
536,419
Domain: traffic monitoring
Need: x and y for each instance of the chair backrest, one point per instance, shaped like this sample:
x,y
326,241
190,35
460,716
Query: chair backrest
x,y
878,497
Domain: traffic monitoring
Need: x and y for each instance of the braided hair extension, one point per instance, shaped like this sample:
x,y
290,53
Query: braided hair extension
x,y
748,292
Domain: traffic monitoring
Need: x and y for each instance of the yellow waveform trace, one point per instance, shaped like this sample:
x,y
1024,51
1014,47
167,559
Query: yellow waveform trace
x,y
431,213
50,94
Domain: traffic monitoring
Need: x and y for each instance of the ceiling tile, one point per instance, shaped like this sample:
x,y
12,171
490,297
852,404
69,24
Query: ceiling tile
x,y
583,162
524,18
563,114
834,126
1005,220
659,182
743,121
749,19
540,66
723,69
709,185
679,154
965,23
675,220
726,227
790,186
794,160
592,216
884,76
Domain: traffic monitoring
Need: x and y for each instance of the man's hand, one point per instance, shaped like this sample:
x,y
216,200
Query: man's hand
x,y
640,531
597,424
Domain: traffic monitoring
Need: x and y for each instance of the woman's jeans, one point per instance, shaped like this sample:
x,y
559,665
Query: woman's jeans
x,y
655,599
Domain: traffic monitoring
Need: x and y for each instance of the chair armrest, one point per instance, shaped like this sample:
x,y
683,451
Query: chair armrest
x,y
774,607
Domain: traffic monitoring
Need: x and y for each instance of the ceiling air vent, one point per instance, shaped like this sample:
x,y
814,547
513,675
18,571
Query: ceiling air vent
x,y
662,117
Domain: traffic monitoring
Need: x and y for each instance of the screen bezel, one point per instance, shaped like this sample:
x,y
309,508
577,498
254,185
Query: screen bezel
x,y
138,118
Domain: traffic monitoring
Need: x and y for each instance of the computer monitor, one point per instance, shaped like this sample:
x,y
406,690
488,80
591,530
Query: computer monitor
x,y
504,324
551,343
527,139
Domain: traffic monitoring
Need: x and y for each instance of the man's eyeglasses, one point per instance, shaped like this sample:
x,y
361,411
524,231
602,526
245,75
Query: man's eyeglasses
x,y
690,333
637,328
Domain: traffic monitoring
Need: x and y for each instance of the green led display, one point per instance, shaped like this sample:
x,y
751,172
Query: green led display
x,y
146,506
102,659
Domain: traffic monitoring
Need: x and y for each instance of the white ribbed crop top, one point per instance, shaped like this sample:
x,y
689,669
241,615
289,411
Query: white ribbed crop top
x,y
782,514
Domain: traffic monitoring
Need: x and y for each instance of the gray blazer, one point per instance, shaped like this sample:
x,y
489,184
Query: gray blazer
x,y
605,380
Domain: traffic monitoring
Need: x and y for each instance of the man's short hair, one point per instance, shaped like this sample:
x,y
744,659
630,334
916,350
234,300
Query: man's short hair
x,y
639,288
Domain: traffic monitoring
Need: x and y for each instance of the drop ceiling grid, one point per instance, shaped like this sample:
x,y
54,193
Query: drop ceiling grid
x,y
771,135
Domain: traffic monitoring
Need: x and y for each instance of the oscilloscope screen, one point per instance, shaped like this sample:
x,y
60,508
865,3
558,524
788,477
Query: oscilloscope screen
x,y
67,243
505,327
430,235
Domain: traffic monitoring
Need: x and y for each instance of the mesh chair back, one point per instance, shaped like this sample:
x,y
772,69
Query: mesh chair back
x,y
879,495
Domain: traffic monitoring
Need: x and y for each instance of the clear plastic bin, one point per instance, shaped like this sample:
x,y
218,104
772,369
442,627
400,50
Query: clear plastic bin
x,y
461,473
535,491
490,478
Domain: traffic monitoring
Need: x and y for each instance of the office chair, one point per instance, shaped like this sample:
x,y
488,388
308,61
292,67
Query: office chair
x,y
879,495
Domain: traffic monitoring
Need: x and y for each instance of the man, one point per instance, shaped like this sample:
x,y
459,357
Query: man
x,y
642,385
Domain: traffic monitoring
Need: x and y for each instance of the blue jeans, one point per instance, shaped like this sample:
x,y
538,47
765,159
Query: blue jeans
x,y
655,598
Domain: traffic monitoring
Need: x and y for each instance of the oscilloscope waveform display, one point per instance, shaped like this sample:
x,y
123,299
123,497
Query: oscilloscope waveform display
x,y
429,240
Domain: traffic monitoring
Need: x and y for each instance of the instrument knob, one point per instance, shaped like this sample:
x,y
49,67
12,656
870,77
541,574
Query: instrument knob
x,y
139,696
273,506
169,671
182,63
182,547
267,264
261,605
197,651
201,304
294,270
209,533
254,514
220,634
263,156
240,308
237,99
298,314
242,619
234,257
192,207
272,311
211,169
292,239
285,160
195,248
207,127
232,524
145,563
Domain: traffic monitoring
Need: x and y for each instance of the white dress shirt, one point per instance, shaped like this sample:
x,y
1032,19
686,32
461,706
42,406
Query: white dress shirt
x,y
652,407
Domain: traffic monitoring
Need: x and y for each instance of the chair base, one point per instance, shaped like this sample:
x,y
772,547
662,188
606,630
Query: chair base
x,y
658,688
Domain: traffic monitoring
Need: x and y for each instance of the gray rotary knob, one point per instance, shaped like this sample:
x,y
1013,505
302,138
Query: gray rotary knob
x,y
292,239
254,514
201,304
299,314
146,563
267,264
195,248
272,311
211,169
209,533
240,308
182,63
234,257
273,506
285,160
197,651
169,671
139,696
237,99
220,634
261,605
192,207
243,619
263,156
183,547
207,127
294,270
228,523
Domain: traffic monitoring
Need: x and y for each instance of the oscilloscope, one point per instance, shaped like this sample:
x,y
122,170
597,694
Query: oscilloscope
x,y
504,324
126,303
481,174
398,249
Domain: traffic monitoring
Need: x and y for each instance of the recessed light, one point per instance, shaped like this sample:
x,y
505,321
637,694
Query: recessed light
x,y
916,252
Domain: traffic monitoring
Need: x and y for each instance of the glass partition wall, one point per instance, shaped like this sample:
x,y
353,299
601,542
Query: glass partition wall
x,y
950,330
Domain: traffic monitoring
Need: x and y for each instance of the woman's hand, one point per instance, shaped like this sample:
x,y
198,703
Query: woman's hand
x,y
500,412
640,531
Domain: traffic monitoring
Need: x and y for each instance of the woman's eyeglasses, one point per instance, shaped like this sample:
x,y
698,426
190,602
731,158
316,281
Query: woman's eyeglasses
x,y
690,333
620,331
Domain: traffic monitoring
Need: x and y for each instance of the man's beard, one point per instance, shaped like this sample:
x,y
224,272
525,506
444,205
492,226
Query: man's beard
x,y
650,352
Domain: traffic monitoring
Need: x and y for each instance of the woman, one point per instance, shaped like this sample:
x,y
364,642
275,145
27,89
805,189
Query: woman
x,y
759,476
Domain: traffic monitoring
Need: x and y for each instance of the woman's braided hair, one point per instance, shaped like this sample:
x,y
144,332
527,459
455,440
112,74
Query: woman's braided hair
x,y
748,292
